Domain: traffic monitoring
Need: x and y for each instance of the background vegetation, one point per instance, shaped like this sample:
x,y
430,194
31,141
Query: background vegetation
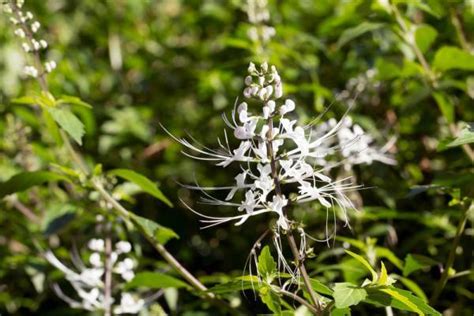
x,y
182,64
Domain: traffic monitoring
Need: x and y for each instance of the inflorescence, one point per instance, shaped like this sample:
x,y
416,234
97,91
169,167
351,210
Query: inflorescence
x,y
26,29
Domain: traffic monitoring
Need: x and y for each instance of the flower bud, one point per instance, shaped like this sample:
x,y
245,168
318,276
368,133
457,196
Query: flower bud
x,y
248,80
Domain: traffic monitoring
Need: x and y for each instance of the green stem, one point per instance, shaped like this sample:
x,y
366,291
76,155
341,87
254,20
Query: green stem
x,y
452,254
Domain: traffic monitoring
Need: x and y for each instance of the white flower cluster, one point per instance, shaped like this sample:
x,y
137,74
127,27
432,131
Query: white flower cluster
x,y
88,282
258,15
357,147
280,160
26,28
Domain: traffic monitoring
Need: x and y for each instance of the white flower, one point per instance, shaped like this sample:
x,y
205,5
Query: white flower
x,y
96,260
96,245
20,33
35,26
289,106
277,205
129,305
31,71
123,246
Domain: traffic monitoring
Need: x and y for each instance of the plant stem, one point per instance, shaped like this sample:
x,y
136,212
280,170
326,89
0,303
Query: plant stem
x,y
289,234
300,300
108,274
452,254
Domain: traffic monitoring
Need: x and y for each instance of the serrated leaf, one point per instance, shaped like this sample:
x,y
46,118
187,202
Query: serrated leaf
x,y
143,182
68,122
25,180
365,263
416,262
155,280
347,294
451,57
152,230
266,264
319,287
351,33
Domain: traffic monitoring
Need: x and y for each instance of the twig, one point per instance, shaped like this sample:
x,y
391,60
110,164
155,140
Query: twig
x,y
108,274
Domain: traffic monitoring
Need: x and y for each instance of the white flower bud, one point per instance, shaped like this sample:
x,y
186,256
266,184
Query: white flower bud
x,y
26,47
123,246
278,90
264,67
261,80
248,80
252,69
248,92
20,33
262,93
255,90
7,8
96,245
13,20
35,26
266,112
50,66
29,15
36,44
43,43
31,71
269,90
271,105
95,259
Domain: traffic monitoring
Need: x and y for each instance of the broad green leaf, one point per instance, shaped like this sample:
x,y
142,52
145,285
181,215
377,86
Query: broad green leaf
x,y
66,99
152,230
416,262
320,287
271,299
450,57
352,33
266,264
347,294
425,36
68,122
445,105
404,300
143,182
155,280
365,263
415,288
25,180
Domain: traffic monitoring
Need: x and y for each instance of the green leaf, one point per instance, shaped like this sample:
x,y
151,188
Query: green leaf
x,y
341,312
66,99
445,105
399,299
347,294
415,288
155,280
266,264
351,33
152,230
68,122
237,285
25,180
450,57
466,136
143,182
365,263
425,36
271,299
319,287
405,300
416,262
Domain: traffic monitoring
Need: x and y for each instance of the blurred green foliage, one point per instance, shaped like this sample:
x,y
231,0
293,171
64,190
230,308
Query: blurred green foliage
x,y
180,64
